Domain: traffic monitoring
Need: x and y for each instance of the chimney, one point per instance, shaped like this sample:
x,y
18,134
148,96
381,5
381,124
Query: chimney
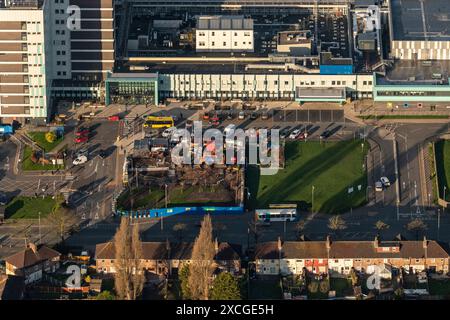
x,y
425,242
33,247
216,246
376,242
328,242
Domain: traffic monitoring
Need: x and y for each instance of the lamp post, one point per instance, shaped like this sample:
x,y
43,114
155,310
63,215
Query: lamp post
x,y
39,222
312,199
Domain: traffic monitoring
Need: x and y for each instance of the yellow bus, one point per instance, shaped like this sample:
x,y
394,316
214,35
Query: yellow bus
x,y
158,122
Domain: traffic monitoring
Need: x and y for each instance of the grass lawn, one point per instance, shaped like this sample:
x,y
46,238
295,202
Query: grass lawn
x,y
439,287
198,195
28,165
442,149
330,167
143,199
29,207
342,286
265,289
39,138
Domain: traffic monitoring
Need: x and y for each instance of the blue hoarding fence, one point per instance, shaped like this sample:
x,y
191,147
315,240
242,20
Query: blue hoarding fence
x,y
167,212
6,129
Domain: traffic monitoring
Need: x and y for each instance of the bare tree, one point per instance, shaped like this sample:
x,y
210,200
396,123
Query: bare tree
x,y
202,262
179,228
300,226
336,223
381,226
416,226
129,277
61,217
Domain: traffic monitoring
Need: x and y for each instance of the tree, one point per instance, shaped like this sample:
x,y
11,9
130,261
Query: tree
x,y
225,287
184,282
61,217
202,262
416,225
105,295
179,228
381,226
336,223
129,277
354,277
50,137
300,226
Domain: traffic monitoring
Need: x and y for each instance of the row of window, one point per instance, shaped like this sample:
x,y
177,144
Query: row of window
x,y
202,34
275,82
213,44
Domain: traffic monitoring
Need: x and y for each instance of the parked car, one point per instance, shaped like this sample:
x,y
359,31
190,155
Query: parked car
x,y
294,134
230,115
214,120
385,181
254,116
82,131
325,134
303,135
284,132
168,132
378,186
81,139
3,199
241,115
80,160
113,118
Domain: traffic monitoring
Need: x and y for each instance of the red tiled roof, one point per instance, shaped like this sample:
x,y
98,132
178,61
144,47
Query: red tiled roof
x,y
349,249
28,257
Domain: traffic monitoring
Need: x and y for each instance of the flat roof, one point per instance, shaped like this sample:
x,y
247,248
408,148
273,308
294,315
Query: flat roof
x,y
132,76
417,72
224,23
408,15
329,93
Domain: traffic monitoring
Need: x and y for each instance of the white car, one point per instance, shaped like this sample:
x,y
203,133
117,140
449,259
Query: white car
x,y
378,186
168,132
385,181
80,160
229,129
294,134
241,115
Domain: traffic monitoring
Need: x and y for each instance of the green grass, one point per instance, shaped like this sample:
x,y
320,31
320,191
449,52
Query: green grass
x,y
342,286
439,287
404,116
29,207
442,149
265,289
198,195
39,138
29,165
330,167
143,199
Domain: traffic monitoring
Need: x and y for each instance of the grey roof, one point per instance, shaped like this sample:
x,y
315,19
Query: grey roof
x,y
408,22
224,23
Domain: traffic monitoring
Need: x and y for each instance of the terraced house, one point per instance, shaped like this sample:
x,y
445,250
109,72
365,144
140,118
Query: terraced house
x,y
163,258
291,257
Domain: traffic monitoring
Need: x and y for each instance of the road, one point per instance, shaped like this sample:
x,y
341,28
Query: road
x,y
92,185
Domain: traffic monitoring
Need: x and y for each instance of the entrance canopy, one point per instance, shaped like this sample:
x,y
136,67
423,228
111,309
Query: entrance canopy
x,y
320,95
132,88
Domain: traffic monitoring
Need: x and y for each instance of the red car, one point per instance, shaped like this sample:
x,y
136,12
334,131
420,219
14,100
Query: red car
x,y
81,139
113,118
82,132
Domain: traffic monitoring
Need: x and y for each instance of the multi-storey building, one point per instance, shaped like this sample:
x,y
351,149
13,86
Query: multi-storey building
x,y
25,75
83,46
290,257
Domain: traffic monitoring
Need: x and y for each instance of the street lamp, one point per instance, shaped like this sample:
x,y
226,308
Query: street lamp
x,y
39,219
312,199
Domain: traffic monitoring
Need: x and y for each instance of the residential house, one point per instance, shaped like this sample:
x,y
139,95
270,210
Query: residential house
x,y
273,258
32,262
163,258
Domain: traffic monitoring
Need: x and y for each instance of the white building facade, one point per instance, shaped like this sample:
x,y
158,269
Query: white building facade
x,y
224,34
24,67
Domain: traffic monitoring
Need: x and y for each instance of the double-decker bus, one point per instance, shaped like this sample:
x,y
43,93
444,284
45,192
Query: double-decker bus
x,y
158,122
